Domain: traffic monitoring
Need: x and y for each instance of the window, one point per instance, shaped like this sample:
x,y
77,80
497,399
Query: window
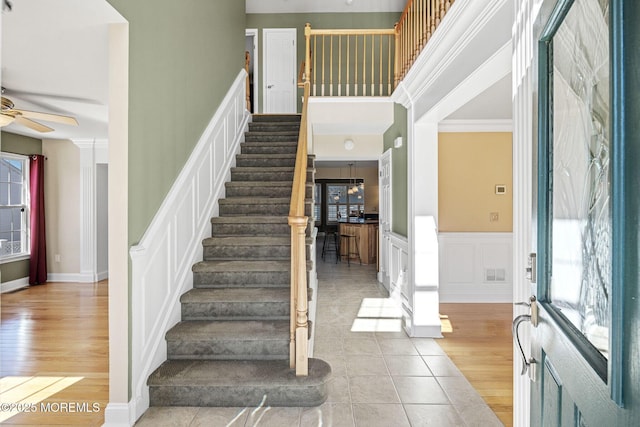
x,y
14,206
343,202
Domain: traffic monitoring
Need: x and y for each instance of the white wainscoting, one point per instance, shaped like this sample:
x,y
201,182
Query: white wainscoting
x,y
398,264
476,267
161,263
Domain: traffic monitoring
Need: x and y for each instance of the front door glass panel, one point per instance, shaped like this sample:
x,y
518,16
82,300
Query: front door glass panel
x,y
580,276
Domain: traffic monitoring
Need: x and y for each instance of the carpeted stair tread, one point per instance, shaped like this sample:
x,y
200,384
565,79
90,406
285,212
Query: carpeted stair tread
x,y
248,241
237,383
241,266
259,295
277,118
234,330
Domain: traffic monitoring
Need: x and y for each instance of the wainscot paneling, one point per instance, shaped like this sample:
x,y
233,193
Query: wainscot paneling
x,y
161,263
476,267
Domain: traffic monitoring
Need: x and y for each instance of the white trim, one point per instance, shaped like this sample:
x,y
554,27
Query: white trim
x,y
14,285
476,126
72,277
119,415
173,242
350,100
256,69
14,258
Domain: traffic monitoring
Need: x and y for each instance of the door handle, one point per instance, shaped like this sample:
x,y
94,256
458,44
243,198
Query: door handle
x,y
270,86
527,364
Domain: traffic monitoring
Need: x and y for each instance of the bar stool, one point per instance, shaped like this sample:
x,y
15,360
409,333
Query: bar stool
x,y
331,230
348,254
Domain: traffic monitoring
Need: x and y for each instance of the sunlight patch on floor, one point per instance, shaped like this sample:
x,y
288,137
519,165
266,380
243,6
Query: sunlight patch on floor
x,y
445,324
378,315
19,393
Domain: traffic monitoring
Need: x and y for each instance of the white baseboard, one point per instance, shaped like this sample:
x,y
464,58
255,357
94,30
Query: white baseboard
x,y
119,415
72,277
14,285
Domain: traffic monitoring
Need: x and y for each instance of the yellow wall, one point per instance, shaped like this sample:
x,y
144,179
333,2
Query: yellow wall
x,y
470,165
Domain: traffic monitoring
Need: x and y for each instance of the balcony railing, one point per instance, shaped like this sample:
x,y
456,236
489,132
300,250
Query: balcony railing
x,y
369,62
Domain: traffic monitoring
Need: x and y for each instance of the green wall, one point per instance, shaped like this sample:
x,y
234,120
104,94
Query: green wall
x,y
17,144
399,201
183,57
260,21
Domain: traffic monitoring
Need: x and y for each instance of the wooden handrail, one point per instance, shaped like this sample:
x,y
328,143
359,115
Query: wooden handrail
x,y
299,326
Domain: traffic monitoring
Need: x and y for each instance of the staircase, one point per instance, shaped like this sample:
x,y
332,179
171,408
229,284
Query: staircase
x,y
232,346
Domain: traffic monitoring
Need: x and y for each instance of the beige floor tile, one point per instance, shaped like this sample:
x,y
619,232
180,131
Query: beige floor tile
x,y
433,416
365,365
167,417
380,415
441,366
328,414
420,390
407,366
274,417
228,417
372,389
402,346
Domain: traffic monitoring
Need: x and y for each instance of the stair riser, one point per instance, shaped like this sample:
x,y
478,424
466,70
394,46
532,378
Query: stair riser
x,y
254,209
265,162
237,349
222,229
237,396
261,176
229,252
220,252
267,137
269,149
265,175
259,209
274,127
258,191
236,310
241,279
271,118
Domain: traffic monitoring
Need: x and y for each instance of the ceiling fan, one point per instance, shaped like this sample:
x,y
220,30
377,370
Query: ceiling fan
x,y
9,114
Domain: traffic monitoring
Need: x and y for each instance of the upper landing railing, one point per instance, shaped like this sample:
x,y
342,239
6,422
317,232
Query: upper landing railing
x,y
369,62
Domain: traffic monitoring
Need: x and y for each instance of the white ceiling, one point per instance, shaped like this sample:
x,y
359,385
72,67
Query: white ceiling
x,y
54,59
492,104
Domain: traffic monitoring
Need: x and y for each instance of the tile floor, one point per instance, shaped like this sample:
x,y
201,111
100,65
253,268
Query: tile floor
x,y
381,377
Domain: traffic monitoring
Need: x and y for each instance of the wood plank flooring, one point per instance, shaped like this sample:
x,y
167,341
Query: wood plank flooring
x,y
479,343
54,342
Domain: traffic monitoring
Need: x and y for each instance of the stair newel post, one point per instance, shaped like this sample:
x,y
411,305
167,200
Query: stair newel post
x,y
299,280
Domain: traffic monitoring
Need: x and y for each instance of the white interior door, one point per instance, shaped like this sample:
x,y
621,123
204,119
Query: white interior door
x,y
384,185
279,70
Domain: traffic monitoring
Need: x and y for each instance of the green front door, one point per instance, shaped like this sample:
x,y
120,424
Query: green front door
x,y
586,346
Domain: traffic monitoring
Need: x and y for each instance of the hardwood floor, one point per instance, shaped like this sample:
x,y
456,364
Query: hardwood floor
x,y
54,347
479,343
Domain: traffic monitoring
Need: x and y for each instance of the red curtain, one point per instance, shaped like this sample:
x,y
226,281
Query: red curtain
x,y
38,263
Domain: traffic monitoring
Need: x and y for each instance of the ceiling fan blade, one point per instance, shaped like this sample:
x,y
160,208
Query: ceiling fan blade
x,y
33,125
57,118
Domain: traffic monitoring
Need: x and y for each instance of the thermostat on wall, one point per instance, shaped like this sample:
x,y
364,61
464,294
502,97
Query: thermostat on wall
x,y
501,189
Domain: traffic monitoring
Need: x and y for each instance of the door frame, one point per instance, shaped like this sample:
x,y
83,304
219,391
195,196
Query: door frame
x,y
294,33
253,32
